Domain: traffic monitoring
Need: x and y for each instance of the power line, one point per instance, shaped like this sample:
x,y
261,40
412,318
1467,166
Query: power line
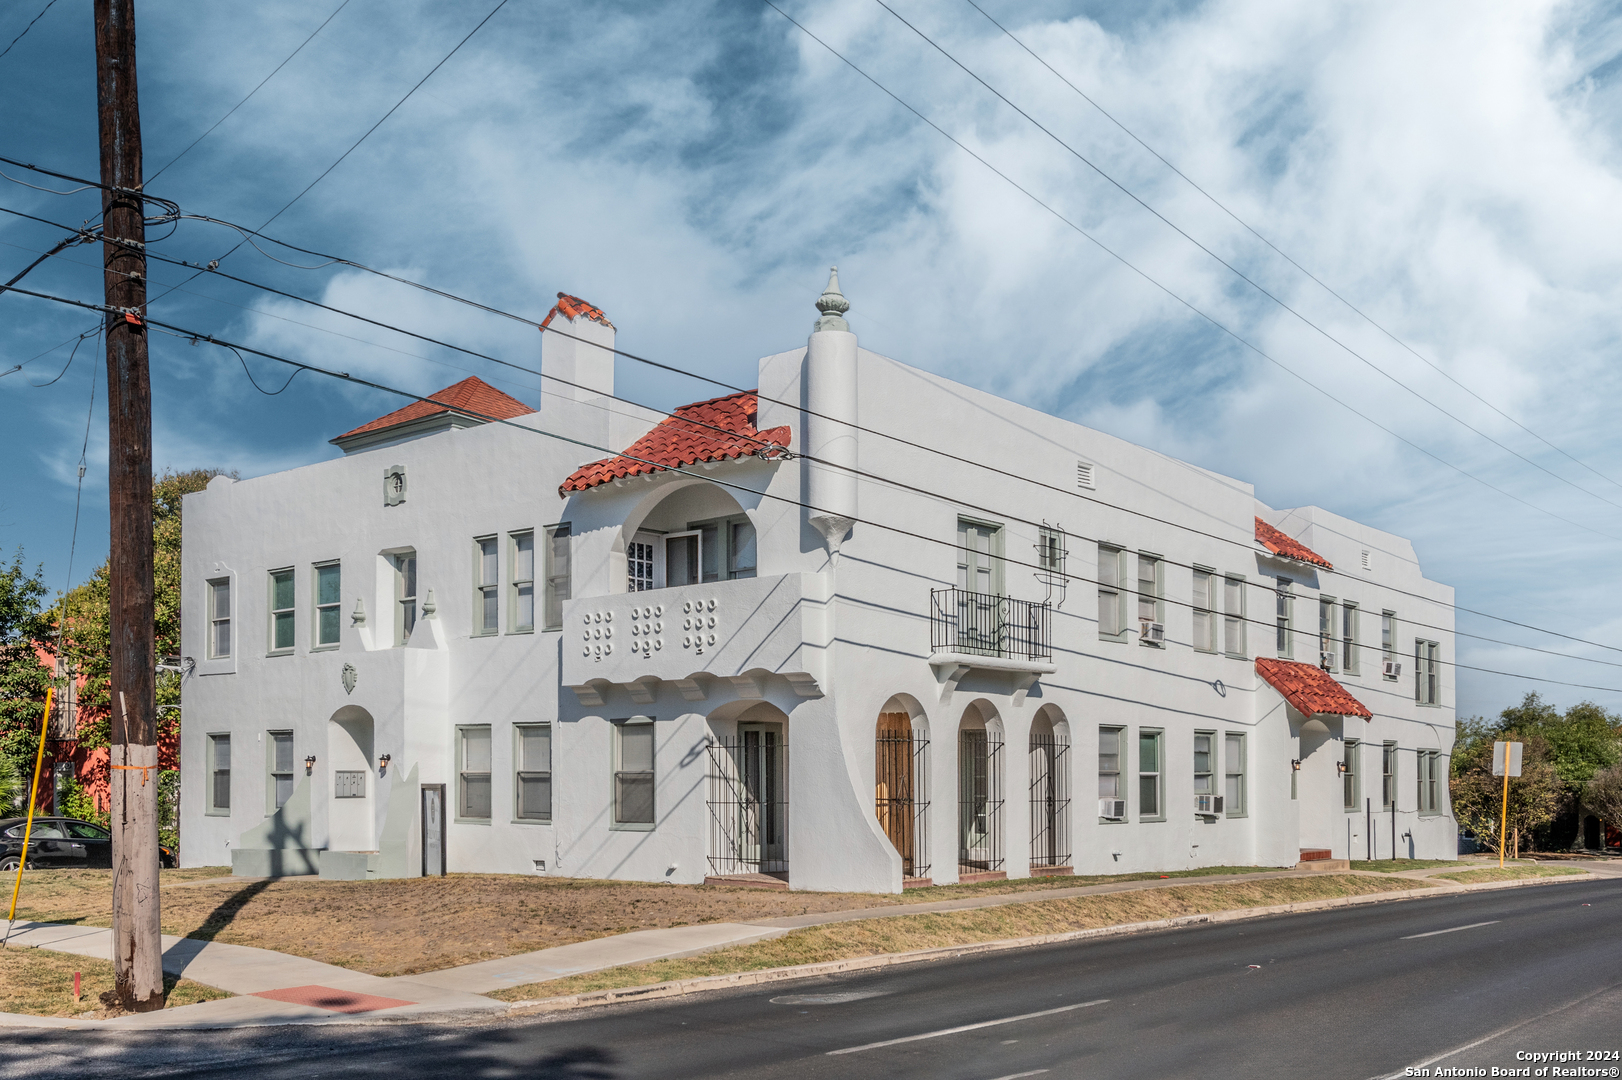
x,y
1282,254
78,494
30,26
1240,274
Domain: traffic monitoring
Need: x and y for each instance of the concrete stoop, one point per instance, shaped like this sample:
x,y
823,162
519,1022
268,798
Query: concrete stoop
x,y
1325,864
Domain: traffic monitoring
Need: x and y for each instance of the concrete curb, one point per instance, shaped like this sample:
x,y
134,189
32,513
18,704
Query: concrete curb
x,y
681,987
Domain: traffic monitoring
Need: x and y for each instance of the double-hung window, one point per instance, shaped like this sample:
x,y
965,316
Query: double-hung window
x,y
521,599
1111,600
473,772
486,586
533,749
1348,637
328,604
1150,807
1110,795
1233,616
1233,760
1388,641
281,611
1150,606
405,596
1430,800
1326,633
219,619
633,771
558,580
219,774
1204,763
1350,793
1426,683
278,767
1284,613
1205,617
1388,775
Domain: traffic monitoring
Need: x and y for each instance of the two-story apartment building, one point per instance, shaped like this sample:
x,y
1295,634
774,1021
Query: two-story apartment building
x,y
859,627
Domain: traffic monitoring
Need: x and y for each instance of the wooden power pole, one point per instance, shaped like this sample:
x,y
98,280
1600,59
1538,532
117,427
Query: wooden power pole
x,y
137,947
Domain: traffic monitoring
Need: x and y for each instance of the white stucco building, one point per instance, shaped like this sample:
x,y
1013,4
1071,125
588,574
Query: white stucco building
x,y
861,627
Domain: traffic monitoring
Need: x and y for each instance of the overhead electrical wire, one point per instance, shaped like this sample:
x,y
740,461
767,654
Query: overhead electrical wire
x,y
49,4
1281,253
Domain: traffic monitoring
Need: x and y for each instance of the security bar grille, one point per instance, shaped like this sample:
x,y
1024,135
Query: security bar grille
x,y
1050,801
901,796
748,803
979,801
988,624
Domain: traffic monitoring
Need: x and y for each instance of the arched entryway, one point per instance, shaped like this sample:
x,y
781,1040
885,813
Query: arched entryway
x,y
1050,791
901,782
748,790
980,791
351,821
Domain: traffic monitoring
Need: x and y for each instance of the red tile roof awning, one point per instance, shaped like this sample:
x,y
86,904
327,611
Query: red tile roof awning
x,y
472,397
572,308
1309,690
1279,544
716,430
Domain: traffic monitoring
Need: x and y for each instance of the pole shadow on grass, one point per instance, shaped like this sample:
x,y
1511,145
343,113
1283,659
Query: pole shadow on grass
x,y
177,957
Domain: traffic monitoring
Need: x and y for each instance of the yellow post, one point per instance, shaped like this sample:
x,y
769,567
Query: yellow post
x,y
1503,824
33,797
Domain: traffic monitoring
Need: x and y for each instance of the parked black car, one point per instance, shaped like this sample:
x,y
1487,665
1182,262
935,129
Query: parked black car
x,y
59,843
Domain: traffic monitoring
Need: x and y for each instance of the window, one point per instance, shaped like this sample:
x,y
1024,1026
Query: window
x,y
1204,766
682,562
639,566
1350,794
1109,772
405,595
1283,614
1348,637
740,548
1233,616
633,772
1426,689
1050,550
1205,618
1429,781
1388,775
1233,760
1149,807
473,773
279,767
1388,640
979,557
1111,603
558,581
486,579
328,601
219,772
1150,607
1327,649
219,619
534,780
521,601
281,611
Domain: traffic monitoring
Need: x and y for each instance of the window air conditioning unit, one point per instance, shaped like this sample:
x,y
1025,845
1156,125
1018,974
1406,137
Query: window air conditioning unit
x,y
1326,659
1152,632
1391,669
1112,809
1208,805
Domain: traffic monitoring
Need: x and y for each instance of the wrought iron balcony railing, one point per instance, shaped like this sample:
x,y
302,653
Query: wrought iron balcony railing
x,y
986,624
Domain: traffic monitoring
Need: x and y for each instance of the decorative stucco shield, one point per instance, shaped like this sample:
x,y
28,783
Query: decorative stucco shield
x,y
350,675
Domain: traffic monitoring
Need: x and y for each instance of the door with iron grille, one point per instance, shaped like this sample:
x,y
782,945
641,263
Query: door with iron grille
x,y
1050,800
980,801
900,791
748,801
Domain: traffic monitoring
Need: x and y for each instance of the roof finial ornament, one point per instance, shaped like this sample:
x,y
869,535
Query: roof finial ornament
x,y
832,304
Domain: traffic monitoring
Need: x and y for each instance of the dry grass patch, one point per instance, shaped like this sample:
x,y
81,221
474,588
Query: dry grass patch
x,y
1395,866
1056,881
906,933
40,983
1511,873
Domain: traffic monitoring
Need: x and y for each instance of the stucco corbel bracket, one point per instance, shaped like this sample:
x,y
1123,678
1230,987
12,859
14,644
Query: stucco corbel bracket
x,y
691,689
1023,681
804,684
748,686
642,690
590,693
948,675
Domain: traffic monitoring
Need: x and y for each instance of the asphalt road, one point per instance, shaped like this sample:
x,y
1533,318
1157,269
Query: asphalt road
x,y
1455,981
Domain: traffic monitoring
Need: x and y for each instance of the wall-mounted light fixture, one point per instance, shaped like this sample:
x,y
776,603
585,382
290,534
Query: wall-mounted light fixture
x,y
383,765
1295,764
309,765
1340,767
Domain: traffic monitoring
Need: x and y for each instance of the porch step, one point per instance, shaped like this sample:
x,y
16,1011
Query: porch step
x,y
1052,871
982,875
1324,864
749,881
917,882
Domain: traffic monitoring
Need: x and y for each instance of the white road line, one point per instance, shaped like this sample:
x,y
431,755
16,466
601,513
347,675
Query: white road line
x,y
1016,1076
967,1027
1452,929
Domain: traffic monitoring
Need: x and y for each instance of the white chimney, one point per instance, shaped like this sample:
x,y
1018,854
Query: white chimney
x,y
577,352
830,435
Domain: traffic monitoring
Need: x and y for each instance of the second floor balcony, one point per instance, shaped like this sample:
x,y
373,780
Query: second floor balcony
x,y
989,625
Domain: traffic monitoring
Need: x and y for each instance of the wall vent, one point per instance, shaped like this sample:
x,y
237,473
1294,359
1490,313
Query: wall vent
x,y
1367,559
1084,474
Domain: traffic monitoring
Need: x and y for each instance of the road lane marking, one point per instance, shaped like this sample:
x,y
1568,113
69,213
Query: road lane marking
x,y
966,1027
828,999
1017,1076
1452,929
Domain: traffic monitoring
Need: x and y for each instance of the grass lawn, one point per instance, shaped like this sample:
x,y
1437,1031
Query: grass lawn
x,y
1511,873
904,933
1393,866
40,983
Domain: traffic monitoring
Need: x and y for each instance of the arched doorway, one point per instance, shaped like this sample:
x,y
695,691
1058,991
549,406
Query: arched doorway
x,y
748,797
350,817
901,783
979,791
1050,791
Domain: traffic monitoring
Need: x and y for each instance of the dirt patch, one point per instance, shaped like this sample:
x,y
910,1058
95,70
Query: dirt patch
x,y
1396,866
1510,873
905,933
40,983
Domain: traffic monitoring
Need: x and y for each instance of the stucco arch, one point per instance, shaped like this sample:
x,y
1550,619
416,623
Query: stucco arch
x,y
707,498
351,820
1050,720
901,781
748,789
981,802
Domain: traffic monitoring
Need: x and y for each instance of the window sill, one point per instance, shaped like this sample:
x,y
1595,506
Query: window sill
x,y
524,630
334,647
1151,820
631,826
470,821
530,821
1237,814
483,634
279,652
1113,821
213,812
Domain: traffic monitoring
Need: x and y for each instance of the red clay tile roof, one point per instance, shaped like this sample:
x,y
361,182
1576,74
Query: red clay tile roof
x,y
471,397
1279,544
1308,689
685,438
572,308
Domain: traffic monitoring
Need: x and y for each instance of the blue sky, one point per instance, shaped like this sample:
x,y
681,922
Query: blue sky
x,y
1453,170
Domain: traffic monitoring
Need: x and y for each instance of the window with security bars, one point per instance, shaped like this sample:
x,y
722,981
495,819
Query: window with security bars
x,y
1204,610
219,619
281,611
639,566
633,773
486,591
521,601
1388,775
534,780
1233,759
219,774
280,755
473,773
328,603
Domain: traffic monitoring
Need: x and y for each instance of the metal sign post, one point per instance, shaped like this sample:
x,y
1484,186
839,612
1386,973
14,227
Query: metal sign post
x,y
1506,762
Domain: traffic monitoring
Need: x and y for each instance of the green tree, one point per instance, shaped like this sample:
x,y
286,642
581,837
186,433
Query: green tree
x,y
1604,796
1535,797
1582,741
27,631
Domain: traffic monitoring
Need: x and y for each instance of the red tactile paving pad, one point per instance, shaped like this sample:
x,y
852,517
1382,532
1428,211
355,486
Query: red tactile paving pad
x,y
325,997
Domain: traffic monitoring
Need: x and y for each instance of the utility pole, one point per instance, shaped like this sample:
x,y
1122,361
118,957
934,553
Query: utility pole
x,y
137,947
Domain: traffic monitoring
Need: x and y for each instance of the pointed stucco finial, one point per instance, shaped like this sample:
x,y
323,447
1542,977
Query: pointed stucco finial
x,y
832,304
